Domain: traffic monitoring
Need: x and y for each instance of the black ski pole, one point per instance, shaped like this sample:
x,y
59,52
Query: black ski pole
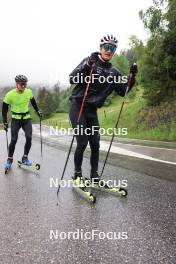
x,y
116,124
78,119
41,141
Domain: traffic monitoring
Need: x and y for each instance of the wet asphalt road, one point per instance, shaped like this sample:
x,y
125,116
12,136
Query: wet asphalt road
x,y
28,212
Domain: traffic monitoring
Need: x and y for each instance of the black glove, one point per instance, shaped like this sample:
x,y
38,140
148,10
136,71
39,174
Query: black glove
x,y
6,127
134,69
93,58
39,113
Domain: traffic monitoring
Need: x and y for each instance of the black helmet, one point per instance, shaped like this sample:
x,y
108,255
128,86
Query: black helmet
x,y
109,39
21,78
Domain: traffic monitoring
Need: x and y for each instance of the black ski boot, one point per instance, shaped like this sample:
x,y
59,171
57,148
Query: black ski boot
x,y
77,174
94,177
78,179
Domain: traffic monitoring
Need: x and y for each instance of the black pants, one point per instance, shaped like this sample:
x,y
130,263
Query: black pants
x,y
15,127
88,119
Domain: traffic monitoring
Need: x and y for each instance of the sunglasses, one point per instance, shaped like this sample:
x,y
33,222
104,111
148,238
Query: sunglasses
x,y
110,48
22,84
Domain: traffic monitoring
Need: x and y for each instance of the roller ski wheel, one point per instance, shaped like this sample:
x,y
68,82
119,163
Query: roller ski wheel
x,y
37,166
92,198
78,184
19,163
123,192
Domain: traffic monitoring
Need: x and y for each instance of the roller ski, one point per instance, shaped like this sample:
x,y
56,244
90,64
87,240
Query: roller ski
x,y
79,186
99,184
8,165
25,163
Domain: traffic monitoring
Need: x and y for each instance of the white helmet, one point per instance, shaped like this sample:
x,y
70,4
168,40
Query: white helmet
x,y
109,39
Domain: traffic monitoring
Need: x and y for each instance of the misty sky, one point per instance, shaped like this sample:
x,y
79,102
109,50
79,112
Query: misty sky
x,y
46,39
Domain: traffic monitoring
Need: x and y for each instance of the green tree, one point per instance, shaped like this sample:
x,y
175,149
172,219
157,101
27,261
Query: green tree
x,y
136,53
130,54
159,68
46,102
64,101
56,96
121,63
